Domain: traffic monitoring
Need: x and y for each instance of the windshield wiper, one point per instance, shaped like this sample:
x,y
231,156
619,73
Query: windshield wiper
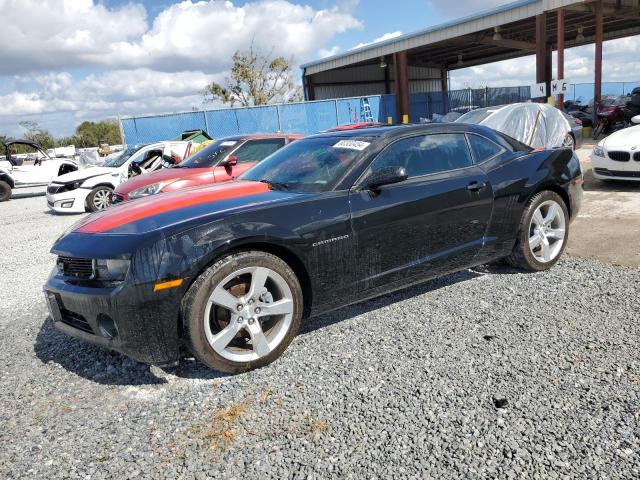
x,y
275,185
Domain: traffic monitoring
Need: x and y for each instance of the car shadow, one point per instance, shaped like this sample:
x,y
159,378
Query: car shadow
x,y
20,195
112,368
592,184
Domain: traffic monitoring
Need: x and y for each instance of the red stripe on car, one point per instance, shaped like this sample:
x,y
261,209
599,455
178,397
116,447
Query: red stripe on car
x,y
125,213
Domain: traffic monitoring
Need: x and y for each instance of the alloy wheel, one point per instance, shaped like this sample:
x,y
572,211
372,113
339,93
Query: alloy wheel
x,y
102,199
248,314
547,231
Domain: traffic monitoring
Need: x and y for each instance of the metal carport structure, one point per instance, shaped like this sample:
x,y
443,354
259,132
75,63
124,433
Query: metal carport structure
x,y
421,61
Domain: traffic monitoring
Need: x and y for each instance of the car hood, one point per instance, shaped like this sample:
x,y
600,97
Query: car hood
x,y
84,174
162,175
627,137
156,212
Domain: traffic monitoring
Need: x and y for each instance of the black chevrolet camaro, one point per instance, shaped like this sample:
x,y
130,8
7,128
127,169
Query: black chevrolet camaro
x,y
228,272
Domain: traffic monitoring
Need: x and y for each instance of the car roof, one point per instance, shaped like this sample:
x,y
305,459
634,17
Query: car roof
x,y
253,136
401,130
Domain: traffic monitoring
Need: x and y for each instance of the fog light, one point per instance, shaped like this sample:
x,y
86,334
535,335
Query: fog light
x,y
107,326
67,204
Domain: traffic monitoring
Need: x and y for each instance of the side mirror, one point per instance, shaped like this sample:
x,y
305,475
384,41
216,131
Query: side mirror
x,y
231,161
385,176
636,119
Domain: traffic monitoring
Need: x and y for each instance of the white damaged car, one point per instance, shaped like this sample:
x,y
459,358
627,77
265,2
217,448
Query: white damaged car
x,y
32,169
617,157
90,189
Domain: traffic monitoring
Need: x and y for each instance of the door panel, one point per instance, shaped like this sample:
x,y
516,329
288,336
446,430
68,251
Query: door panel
x,y
424,226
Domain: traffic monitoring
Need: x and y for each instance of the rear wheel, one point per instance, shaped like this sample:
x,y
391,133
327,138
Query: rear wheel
x,y
99,198
569,142
243,311
5,191
543,233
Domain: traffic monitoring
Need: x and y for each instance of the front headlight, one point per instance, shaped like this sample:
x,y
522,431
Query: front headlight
x,y
149,189
110,270
598,150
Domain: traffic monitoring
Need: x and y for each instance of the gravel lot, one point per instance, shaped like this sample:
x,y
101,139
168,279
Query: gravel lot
x,y
486,373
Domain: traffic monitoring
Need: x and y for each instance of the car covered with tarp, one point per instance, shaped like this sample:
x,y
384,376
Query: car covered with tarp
x,y
538,125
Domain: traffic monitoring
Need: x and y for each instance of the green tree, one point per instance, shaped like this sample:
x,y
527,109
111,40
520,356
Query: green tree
x,y
92,134
38,135
256,79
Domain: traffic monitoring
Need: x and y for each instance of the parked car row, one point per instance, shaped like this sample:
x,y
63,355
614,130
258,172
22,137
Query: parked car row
x,y
227,271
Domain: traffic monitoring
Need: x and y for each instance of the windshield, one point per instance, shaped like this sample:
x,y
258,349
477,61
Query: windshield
x,y
612,100
475,116
209,156
308,165
118,159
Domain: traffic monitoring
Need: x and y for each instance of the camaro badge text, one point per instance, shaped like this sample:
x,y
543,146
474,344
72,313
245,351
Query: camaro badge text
x,y
330,240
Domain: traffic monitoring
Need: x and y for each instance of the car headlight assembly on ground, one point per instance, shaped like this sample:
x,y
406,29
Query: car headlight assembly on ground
x,y
149,189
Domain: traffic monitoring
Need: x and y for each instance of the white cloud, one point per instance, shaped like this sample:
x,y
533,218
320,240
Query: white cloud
x,y
578,67
58,34
328,52
386,36
117,91
148,67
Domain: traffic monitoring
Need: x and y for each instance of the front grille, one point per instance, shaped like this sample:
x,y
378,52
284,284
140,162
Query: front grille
x,y
75,320
636,156
116,198
53,189
76,267
620,156
617,173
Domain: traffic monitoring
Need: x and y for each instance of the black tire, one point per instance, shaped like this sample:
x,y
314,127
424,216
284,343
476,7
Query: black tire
x,y
521,256
5,191
92,198
195,301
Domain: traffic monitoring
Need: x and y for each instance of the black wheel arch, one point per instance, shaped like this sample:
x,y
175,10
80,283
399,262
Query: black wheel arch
x,y
6,178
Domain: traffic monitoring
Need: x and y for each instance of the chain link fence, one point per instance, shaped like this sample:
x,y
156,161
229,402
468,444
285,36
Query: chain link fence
x,y
304,118
312,117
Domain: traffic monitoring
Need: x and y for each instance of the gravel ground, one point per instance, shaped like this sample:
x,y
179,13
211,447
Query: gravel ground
x,y
488,373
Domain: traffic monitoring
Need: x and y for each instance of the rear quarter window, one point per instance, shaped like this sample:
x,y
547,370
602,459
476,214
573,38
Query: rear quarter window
x,y
483,149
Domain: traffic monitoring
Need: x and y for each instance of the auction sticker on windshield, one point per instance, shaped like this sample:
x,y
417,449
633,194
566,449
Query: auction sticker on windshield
x,y
228,143
352,145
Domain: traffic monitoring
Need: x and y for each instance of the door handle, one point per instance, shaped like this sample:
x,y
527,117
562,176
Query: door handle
x,y
476,186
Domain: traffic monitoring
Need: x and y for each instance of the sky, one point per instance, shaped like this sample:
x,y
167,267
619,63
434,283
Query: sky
x,y
66,61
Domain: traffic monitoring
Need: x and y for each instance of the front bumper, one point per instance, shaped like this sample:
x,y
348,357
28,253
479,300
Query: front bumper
x,y
72,201
130,319
606,168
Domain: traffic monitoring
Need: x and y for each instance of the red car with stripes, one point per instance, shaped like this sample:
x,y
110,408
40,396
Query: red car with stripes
x,y
220,161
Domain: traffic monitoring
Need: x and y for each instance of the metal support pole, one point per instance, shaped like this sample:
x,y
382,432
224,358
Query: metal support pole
x,y
337,113
402,87
597,93
560,73
541,48
206,122
278,116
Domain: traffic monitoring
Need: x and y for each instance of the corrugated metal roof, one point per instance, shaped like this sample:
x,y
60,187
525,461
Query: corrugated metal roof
x,y
510,12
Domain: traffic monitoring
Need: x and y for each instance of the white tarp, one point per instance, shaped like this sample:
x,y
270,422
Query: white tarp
x,y
534,124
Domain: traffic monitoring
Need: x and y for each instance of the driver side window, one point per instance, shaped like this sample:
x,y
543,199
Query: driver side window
x,y
426,154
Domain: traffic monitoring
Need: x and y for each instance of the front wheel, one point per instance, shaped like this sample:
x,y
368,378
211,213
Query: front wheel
x,y
543,233
243,311
99,198
5,191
